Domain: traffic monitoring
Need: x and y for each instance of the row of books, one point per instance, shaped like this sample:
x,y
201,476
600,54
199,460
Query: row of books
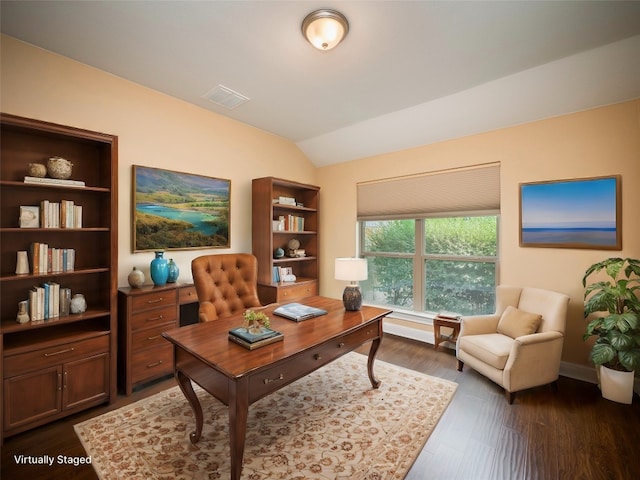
x,y
292,223
46,259
63,214
45,301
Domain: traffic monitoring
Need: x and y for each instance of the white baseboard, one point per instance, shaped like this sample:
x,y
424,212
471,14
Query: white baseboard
x,y
575,371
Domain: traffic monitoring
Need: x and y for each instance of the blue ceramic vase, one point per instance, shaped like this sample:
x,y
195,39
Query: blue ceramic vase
x,y
159,270
174,271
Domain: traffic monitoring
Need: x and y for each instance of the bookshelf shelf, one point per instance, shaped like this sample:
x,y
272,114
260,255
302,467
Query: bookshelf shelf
x,y
33,354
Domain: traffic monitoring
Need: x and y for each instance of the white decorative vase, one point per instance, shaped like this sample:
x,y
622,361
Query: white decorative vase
x,y
615,385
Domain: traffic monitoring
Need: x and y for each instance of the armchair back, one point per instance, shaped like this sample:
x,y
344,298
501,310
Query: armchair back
x,y
226,284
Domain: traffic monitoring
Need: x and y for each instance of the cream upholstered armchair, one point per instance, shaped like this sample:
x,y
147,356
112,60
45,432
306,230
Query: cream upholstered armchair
x,y
520,345
226,284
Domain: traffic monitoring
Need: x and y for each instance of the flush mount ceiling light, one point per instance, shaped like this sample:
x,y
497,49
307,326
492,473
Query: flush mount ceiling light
x,y
325,29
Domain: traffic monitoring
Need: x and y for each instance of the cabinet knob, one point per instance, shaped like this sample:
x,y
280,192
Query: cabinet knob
x,y
317,356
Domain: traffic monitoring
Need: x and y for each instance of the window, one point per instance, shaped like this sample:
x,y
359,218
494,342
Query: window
x,y
432,264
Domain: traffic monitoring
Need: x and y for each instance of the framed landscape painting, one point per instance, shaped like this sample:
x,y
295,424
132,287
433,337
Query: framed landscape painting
x,y
179,211
582,213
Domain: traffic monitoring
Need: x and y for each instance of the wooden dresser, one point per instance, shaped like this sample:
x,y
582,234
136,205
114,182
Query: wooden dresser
x,y
143,314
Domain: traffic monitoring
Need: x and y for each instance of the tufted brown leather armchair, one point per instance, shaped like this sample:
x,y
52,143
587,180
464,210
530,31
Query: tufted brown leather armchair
x,y
226,284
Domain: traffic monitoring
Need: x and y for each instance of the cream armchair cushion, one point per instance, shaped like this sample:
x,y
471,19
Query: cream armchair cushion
x,y
520,345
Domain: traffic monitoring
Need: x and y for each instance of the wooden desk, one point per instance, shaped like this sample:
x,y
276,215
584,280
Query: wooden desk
x,y
239,377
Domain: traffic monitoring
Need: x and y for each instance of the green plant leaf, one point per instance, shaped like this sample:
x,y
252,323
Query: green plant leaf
x,y
602,353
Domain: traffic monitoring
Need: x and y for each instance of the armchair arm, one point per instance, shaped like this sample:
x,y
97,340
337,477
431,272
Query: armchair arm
x,y
534,360
538,338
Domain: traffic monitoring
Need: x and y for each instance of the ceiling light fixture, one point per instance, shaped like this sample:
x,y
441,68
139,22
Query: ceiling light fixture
x,y
325,29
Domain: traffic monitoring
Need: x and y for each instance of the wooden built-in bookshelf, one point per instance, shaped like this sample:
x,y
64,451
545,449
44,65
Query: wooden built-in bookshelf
x,y
266,239
58,366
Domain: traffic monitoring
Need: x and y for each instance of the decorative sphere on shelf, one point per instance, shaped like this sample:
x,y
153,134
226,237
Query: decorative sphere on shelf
x,y
294,244
37,170
59,167
279,253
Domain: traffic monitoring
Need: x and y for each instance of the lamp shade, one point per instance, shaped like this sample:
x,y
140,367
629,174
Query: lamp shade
x,y
325,29
351,269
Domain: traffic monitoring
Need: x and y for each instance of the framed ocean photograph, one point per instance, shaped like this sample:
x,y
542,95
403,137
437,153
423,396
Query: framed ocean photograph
x,y
581,213
179,211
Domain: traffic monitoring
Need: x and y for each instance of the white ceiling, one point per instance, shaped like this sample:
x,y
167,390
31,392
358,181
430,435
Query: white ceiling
x,y
409,73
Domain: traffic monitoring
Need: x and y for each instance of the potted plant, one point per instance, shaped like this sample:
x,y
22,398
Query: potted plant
x,y
616,326
255,322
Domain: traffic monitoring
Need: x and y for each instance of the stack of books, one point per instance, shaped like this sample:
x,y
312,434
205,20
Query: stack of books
x,y
252,341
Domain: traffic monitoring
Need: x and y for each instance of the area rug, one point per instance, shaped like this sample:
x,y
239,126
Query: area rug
x,y
328,425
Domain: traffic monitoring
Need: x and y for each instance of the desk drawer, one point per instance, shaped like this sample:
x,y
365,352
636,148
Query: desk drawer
x,y
274,378
188,295
154,300
152,363
56,355
154,318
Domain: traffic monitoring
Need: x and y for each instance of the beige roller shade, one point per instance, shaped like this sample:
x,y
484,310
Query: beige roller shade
x,y
465,190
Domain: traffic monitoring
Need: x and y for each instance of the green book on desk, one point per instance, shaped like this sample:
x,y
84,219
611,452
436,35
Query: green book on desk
x,y
298,312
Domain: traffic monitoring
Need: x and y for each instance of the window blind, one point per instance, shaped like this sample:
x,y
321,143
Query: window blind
x,y
464,190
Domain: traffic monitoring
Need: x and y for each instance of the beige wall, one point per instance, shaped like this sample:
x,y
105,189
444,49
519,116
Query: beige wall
x,y
597,142
160,131
154,130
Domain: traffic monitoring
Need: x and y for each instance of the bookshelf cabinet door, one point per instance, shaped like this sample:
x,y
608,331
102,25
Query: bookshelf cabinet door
x,y
32,397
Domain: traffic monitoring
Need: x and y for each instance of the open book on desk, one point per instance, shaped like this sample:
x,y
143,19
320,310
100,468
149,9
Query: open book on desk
x,y
298,312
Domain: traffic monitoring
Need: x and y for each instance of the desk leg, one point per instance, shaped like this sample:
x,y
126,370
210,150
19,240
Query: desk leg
x,y
238,413
373,351
192,398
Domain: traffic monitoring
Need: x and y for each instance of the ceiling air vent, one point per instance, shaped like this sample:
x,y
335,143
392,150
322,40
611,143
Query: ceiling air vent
x,y
225,97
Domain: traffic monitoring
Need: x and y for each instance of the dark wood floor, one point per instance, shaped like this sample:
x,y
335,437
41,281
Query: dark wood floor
x,y
571,434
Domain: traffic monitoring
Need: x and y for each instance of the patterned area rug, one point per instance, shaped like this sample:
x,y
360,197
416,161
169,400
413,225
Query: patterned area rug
x,y
328,425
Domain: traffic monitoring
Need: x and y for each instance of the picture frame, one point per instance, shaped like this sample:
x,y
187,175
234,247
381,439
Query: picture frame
x,y
179,211
29,216
576,213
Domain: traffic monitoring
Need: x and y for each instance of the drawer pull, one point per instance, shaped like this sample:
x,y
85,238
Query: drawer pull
x,y
317,356
341,344
153,338
153,319
59,352
156,300
151,365
267,381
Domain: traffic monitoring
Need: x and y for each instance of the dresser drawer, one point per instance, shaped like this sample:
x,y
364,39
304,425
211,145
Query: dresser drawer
x,y
290,293
152,363
188,295
150,337
154,300
154,318
55,355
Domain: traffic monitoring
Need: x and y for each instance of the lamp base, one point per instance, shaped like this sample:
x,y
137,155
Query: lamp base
x,y
352,298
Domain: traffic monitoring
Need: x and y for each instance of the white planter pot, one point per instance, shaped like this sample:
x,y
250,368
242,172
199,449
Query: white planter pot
x,y
615,385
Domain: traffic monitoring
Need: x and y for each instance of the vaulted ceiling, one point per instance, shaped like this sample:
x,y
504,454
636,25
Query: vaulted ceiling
x,y
409,73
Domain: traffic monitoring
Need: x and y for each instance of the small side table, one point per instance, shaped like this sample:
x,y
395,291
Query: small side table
x,y
445,322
